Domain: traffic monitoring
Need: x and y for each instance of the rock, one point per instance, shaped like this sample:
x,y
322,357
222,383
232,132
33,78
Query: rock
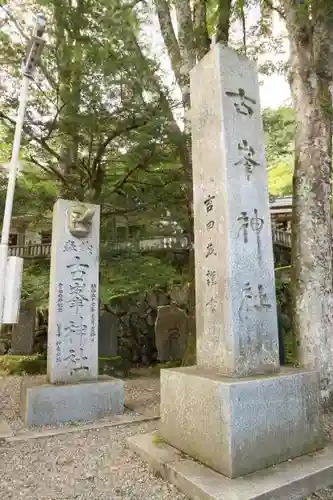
x,y
152,299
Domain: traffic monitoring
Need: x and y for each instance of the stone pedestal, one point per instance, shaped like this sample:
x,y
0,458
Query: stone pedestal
x,y
48,404
238,426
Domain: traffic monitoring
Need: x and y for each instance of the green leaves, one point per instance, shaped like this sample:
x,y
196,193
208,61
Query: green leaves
x,y
279,127
133,273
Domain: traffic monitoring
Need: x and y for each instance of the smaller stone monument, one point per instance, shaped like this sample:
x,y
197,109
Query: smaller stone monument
x,y
23,333
73,391
171,329
108,334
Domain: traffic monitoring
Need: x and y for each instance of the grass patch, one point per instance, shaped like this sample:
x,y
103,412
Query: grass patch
x,y
114,366
22,365
156,369
157,439
36,365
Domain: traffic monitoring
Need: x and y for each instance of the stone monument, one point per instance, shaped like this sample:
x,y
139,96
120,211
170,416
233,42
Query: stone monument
x,y
171,331
236,412
74,391
109,326
23,333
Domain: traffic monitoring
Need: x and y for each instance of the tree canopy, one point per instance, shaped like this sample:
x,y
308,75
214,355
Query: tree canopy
x,y
104,126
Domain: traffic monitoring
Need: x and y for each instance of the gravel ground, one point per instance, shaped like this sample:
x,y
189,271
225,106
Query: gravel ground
x,y
93,465
89,465
143,396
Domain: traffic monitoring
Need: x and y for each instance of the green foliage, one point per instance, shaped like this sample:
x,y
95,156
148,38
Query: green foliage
x,y
35,283
122,275
97,130
119,275
21,365
100,127
114,366
155,370
279,128
280,180
157,439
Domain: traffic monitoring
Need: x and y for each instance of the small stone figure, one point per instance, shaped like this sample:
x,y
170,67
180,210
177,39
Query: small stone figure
x,y
80,220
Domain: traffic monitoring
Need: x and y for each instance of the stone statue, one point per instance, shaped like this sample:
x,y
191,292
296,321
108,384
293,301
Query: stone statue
x,y
80,220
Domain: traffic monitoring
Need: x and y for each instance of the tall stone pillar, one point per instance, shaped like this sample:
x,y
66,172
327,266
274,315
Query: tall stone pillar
x,y
237,411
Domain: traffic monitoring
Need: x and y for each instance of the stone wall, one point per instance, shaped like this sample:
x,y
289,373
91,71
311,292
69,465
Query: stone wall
x,y
126,328
127,325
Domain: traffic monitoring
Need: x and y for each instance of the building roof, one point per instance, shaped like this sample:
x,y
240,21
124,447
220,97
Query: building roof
x,y
281,205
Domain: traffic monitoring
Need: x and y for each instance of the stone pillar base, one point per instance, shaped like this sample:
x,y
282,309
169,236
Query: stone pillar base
x,y
288,481
48,404
238,426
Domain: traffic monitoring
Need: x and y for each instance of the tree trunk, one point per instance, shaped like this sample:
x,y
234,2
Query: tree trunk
x,y
223,25
70,64
312,244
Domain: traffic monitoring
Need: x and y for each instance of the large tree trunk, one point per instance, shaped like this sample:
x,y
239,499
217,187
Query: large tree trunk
x,y
312,238
70,65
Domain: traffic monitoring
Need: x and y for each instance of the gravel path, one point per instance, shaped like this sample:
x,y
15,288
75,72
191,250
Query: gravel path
x,y
142,395
93,465
89,465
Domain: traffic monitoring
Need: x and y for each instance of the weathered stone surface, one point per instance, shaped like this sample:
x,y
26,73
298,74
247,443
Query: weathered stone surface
x,y
46,404
180,294
23,333
171,330
236,307
73,310
108,334
291,480
237,426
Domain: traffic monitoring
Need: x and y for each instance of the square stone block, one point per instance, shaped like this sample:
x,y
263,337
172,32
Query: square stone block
x,y
46,404
238,426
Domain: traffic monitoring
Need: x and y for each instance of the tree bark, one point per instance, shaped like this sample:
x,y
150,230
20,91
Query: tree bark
x,y
310,81
201,37
223,24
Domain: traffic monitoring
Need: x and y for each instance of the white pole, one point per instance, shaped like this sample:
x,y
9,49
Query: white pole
x,y
11,189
